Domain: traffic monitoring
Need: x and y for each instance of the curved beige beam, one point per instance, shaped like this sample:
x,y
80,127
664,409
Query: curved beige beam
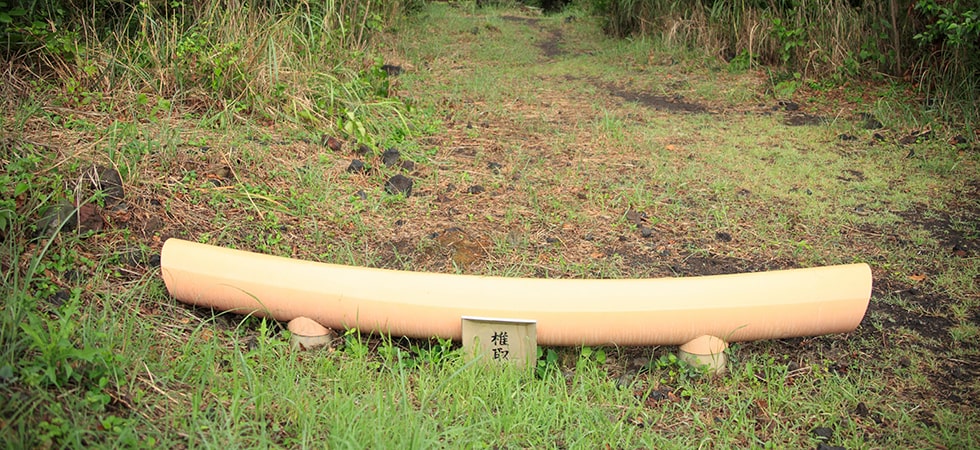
x,y
664,311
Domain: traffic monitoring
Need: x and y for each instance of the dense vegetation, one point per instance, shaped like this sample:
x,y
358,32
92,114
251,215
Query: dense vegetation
x,y
933,44
299,61
245,51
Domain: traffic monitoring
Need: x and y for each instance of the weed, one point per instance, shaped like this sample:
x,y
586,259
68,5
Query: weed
x,y
676,368
434,353
742,62
790,38
58,359
354,344
592,355
547,362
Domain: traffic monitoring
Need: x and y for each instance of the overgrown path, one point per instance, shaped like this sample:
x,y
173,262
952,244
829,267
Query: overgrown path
x,y
510,144
566,154
670,151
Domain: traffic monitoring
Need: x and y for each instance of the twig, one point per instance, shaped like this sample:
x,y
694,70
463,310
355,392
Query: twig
x,y
869,233
153,385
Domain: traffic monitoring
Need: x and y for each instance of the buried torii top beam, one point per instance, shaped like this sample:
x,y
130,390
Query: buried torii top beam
x,y
662,311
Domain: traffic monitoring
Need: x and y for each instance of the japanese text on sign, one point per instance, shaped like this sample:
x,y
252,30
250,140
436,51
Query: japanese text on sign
x,y
501,347
506,341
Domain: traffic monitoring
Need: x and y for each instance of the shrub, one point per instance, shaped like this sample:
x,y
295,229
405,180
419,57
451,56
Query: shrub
x,y
837,38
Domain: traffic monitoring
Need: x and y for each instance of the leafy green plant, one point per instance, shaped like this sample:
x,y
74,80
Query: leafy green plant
x,y
954,23
676,368
742,62
354,344
790,38
39,25
785,86
8,13
53,430
57,356
950,48
547,362
436,352
18,178
417,355
589,354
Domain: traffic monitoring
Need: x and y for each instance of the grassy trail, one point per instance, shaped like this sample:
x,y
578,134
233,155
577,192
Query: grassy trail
x,y
536,147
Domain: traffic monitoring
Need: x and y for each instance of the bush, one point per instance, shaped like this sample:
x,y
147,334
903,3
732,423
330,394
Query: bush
x,y
949,46
254,59
836,38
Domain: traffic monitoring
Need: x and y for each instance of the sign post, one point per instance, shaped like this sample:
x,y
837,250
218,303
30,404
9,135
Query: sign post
x,y
498,340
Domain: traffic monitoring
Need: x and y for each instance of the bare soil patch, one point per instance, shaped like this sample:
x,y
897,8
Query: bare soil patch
x,y
674,103
803,119
957,228
530,21
550,40
551,46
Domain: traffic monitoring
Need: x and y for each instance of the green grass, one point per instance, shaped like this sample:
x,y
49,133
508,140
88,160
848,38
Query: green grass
x,y
95,353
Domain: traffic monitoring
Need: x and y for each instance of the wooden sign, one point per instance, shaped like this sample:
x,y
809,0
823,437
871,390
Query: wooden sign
x,y
513,341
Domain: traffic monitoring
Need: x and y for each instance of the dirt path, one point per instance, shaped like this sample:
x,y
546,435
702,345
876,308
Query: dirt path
x,y
560,153
566,155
